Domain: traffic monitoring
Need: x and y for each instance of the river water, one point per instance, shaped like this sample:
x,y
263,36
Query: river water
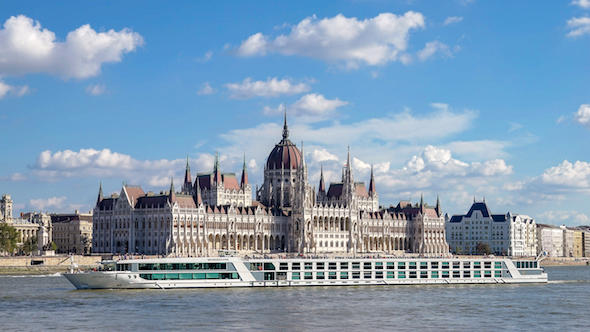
x,y
50,303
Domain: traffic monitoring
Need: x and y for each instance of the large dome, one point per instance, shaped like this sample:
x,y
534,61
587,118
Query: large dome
x,y
285,154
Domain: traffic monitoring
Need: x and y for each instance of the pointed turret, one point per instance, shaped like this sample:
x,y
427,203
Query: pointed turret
x,y
285,128
372,190
171,195
216,171
197,192
421,202
322,187
99,193
244,180
188,184
437,208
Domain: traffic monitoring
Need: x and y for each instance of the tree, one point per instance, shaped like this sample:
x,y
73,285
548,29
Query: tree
x,y
8,238
53,246
30,245
483,249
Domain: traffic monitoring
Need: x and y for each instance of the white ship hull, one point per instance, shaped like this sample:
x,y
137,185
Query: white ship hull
x,y
236,272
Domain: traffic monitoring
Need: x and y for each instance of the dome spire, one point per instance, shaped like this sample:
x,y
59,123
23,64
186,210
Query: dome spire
x,y
285,128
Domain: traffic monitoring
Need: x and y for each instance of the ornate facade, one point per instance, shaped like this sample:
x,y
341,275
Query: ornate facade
x,y
217,212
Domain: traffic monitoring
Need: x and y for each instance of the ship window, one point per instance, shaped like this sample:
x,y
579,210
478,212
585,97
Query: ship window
x,y
497,274
343,275
390,275
379,274
295,276
434,274
320,265
308,265
401,265
456,274
390,265
296,266
332,266
477,274
269,266
498,265
379,265
423,274
413,274
423,265
356,275
477,265
320,276
445,265
172,276
401,275
212,275
284,266
344,265
445,274
308,275
466,274
456,265
466,265
367,265
184,276
434,265
487,265
368,275
412,265
269,276
332,275
199,276
488,274
356,265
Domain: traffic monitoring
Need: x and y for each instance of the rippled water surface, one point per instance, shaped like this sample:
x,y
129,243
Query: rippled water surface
x,y
51,303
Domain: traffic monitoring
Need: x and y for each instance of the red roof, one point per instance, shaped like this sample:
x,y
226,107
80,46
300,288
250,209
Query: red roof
x,y
284,155
133,193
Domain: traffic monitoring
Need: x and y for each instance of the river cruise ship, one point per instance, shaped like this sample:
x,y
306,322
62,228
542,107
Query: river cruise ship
x,y
164,273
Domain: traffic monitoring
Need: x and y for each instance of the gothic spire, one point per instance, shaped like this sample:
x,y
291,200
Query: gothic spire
x,y
372,183
216,172
186,187
438,210
421,201
285,128
99,193
322,187
197,192
244,180
172,195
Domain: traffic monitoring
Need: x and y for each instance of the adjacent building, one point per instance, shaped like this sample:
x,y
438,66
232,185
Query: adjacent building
x,y
215,211
505,234
550,240
72,233
26,229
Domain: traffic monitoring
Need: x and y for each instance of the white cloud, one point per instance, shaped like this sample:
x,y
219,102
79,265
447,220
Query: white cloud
x,y
96,89
272,87
452,20
569,175
206,57
321,155
309,108
560,217
206,89
583,115
42,204
432,48
25,48
372,41
582,3
17,91
480,149
578,26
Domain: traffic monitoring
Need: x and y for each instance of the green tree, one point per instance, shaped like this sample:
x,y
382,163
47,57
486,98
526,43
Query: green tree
x,y
53,246
30,245
8,238
483,249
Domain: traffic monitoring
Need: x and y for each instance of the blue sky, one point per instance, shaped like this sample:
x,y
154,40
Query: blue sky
x,y
457,98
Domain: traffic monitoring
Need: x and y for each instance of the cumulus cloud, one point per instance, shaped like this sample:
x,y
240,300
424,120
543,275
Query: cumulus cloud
x,y
42,204
321,155
559,217
96,89
206,89
578,26
26,47
452,20
583,115
432,48
373,41
568,175
309,108
582,3
272,87
17,91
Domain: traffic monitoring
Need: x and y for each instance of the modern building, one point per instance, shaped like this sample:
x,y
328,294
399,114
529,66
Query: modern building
x,y
72,233
568,241
578,243
505,234
550,240
217,212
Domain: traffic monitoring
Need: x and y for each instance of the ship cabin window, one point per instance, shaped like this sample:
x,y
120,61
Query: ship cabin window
x,y
390,265
456,265
390,275
487,274
477,274
412,265
332,266
367,265
308,265
378,265
343,275
308,276
281,275
123,267
456,274
423,274
344,265
445,265
269,276
284,266
379,274
413,275
518,265
295,276
487,265
296,266
445,274
401,274
332,275
423,265
320,265
269,266
320,276
189,276
477,265
497,274
434,274
368,275
356,275
466,274
256,266
466,265
434,265
498,265
356,265
401,265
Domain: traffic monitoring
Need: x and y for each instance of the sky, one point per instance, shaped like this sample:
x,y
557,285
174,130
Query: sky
x,y
462,99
